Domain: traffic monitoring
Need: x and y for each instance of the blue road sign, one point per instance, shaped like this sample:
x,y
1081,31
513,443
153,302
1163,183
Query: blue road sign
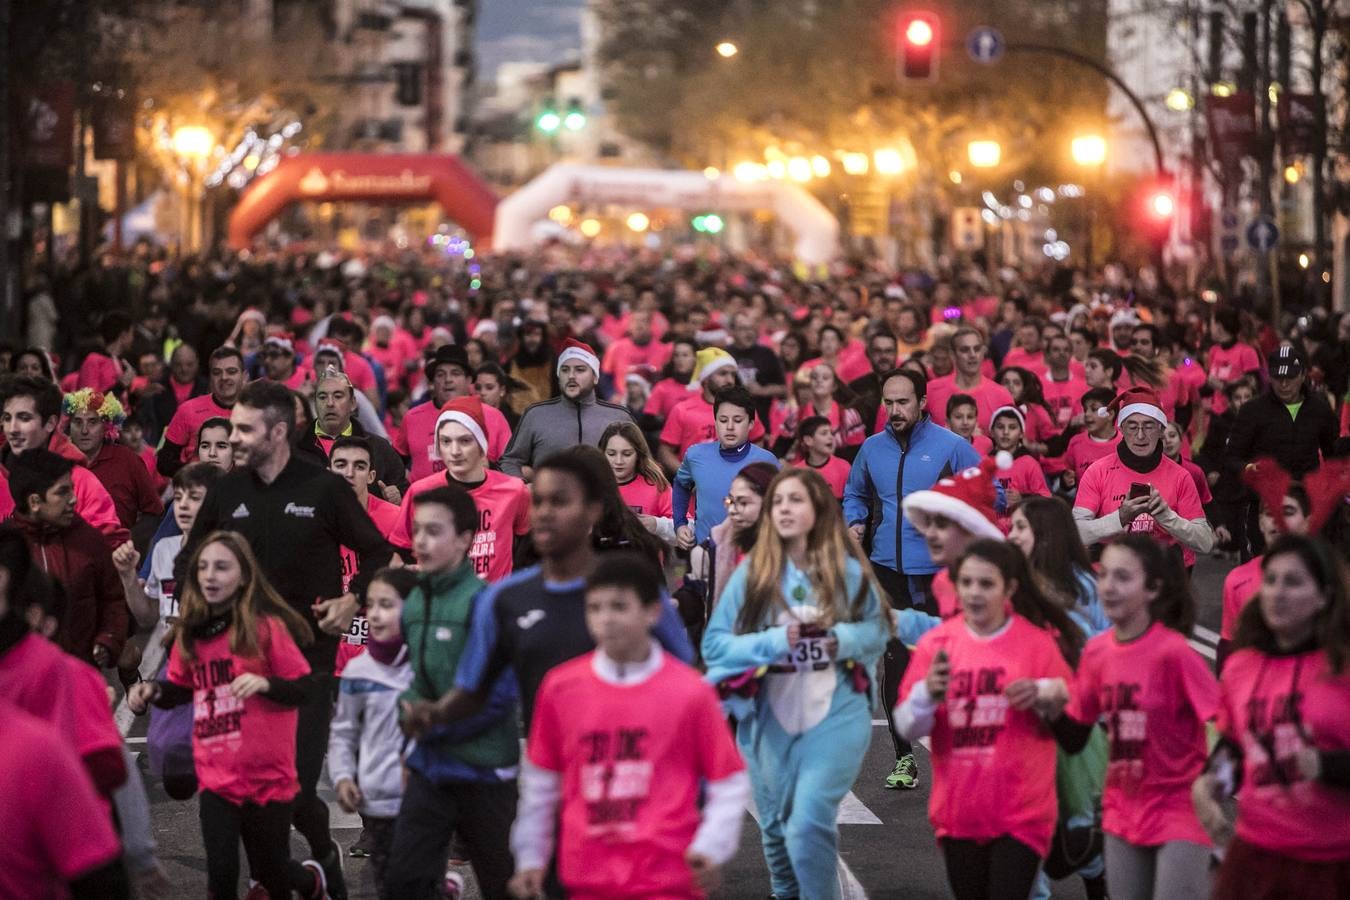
x,y
985,45
1262,235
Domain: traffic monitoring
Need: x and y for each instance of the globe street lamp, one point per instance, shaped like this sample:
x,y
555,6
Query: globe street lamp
x,y
984,154
192,144
1089,151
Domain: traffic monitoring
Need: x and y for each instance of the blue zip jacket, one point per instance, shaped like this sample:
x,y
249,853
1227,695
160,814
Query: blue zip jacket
x,y
885,471
706,473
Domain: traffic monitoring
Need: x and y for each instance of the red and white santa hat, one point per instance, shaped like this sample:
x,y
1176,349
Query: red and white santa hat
x,y
383,321
1141,400
576,350
466,411
1009,411
967,498
285,340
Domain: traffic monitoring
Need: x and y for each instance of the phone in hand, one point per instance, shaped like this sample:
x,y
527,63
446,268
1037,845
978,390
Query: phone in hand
x,y
1138,489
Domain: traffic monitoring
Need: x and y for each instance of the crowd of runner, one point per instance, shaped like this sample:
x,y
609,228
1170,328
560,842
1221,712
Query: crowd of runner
x,y
558,564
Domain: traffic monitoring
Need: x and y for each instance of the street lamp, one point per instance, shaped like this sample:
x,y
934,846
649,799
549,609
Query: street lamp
x,y
727,49
192,144
1088,150
888,161
984,154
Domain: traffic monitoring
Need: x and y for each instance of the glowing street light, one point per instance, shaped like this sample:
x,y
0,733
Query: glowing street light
x,y
726,49
1088,150
638,222
984,154
193,142
749,172
590,227
888,162
1180,100
799,168
855,163
820,166
1162,204
562,214
1293,173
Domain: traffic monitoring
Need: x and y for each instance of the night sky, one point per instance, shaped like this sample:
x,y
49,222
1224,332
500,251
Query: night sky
x,y
527,31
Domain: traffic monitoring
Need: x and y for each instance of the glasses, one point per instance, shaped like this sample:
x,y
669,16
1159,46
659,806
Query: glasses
x,y
740,505
1141,428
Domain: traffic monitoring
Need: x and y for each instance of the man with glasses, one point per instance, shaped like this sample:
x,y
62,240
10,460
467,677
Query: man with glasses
x,y
970,349
1138,489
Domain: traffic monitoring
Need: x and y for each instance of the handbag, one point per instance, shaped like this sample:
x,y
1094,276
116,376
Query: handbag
x,y
1079,779
168,744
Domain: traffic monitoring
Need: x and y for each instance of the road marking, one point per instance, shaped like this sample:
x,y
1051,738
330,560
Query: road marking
x,y
849,886
1204,634
852,811
134,740
1204,649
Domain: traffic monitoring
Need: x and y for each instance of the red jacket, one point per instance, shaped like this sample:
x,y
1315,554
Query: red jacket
x,y
128,482
79,558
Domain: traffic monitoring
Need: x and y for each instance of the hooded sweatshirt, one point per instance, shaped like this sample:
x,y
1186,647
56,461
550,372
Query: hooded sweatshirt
x,y
364,742
78,556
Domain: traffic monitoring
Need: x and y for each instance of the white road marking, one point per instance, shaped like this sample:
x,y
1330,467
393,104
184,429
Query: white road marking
x,y
134,740
1203,649
849,886
1204,634
852,811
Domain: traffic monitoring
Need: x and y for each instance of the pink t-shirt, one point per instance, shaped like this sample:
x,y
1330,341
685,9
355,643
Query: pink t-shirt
x,y
359,371
666,393
1084,450
244,750
1239,587
188,419
692,422
386,517
503,503
993,766
1032,362
632,760
835,472
646,499
99,371
1230,365
989,396
416,441
1154,694
1287,703
623,353
1065,398
1106,484
944,595
1027,478
56,828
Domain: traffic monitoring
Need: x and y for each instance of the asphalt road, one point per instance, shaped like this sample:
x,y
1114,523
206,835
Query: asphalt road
x,y
887,849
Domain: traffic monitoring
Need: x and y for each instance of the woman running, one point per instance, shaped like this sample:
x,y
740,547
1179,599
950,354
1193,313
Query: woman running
x,y
1284,725
800,624
973,686
1154,694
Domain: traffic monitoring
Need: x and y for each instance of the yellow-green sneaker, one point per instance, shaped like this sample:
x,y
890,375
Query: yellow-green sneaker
x,y
905,775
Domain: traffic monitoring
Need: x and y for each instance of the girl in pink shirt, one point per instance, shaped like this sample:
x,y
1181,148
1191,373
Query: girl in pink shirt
x,y
1285,734
235,659
1154,694
642,483
1024,477
973,685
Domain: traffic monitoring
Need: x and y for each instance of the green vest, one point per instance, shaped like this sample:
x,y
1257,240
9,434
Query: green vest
x,y
437,615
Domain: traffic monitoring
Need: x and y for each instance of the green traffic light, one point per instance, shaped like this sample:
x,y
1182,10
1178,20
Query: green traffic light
x,y
697,223
712,223
575,121
548,121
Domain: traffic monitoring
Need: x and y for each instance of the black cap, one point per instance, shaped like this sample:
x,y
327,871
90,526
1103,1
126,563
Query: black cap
x,y
1284,363
447,354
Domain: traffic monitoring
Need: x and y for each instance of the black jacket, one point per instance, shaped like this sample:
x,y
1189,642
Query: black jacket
x,y
388,465
157,411
297,527
1264,428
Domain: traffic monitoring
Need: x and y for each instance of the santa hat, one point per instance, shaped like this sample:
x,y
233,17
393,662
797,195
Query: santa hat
x,y
1124,317
485,326
708,361
1141,400
967,498
337,344
466,411
284,340
1269,480
252,313
383,322
1011,411
640,374
574,349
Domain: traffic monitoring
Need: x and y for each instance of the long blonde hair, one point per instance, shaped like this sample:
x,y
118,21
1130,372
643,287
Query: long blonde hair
x,y
256,600
647,468
828,545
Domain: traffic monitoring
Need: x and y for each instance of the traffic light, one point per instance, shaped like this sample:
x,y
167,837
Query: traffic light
x,y
575,120
548,121
1158,207
408,81
708,223
919,37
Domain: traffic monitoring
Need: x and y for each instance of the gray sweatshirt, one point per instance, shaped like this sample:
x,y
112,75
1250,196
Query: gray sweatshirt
x,y
364,743
551,426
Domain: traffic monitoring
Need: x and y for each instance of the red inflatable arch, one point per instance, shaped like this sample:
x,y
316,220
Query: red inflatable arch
x,y
370,177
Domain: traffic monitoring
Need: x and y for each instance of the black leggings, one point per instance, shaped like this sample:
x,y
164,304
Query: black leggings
x,y
1001,869
900,587
311,743
481,814
266,834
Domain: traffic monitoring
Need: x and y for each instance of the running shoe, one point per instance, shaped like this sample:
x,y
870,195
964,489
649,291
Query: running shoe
x,y
320,889
453,886
334,874
361,849
905,775
256,891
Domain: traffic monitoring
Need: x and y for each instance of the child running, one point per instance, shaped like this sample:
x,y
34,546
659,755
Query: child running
x,y
799,627
629,759
815,448
236,658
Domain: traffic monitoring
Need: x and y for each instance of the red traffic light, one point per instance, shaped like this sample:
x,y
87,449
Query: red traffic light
x,y
1162,205
918,46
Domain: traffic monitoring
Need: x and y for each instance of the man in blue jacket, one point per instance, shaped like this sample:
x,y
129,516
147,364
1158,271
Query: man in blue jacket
x,y
911,454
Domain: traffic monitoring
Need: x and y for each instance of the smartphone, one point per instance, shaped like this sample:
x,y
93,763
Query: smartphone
x,y
1138,489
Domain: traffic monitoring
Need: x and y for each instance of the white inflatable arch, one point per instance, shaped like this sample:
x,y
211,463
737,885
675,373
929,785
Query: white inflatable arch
x,y
815,228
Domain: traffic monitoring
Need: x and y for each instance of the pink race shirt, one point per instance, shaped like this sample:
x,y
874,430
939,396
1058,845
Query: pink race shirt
x,y
632,759
244,750
993,766
1230,365
503,515
1027,478
944,595
1065,398
623,354
1239,587
989,396
1287,704
1107,483
100,372
1084,450
188,419
646,499
666,393
692,422
385,515
835,472
416,441
1154,694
